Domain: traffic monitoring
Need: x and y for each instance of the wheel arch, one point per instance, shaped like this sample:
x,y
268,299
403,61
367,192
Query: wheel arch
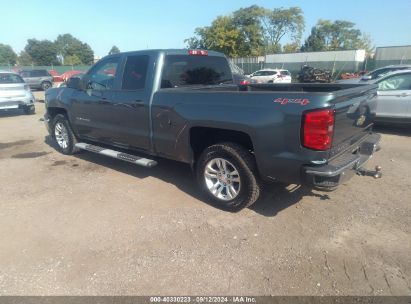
x,y
201,137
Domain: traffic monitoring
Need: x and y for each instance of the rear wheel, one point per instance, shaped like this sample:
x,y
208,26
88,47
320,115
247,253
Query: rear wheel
x,y
45,85
63,135
226,173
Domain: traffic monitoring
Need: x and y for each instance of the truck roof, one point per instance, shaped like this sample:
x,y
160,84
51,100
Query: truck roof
x,y
170,52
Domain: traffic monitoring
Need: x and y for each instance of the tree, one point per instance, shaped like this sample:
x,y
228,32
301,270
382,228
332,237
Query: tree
x,y
43,52
236,35
63,43
72,60
314,42
114,50
7,55
67,45
280,22
248,22
292,47
250,31
333,36
24,59
221,36
86,54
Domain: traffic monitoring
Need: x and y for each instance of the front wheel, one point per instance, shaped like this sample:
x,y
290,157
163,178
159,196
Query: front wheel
x,y
63,135
226,173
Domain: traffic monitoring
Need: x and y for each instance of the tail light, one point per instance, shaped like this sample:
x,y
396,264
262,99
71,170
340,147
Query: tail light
x,y
318,129
198,52
244,82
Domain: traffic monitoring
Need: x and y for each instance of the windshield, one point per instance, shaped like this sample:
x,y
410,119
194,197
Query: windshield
x,y
381,72
10,78
183,70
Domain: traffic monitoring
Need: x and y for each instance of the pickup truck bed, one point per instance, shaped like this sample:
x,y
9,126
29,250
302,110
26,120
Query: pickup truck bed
x,y
317,134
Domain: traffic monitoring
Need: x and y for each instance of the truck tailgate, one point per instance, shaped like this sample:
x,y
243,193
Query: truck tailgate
x,y
354,116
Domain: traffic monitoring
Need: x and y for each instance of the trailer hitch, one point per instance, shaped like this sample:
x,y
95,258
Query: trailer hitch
x,y
376,173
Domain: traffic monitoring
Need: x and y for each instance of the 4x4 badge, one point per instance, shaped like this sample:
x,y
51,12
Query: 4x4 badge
x,y
300,101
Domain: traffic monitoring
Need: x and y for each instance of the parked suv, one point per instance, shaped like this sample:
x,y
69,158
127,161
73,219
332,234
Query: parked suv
x,y
271,76
37,79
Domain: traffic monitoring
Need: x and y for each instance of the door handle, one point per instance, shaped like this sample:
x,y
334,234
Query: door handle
x,y
137,103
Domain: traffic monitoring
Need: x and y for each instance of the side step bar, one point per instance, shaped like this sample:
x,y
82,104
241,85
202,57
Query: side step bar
x,y
119,155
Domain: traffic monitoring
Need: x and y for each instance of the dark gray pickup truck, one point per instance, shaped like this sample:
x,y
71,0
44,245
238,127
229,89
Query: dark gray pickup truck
x,y
183,105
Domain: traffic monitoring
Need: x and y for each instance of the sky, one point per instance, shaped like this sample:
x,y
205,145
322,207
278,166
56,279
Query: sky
x,y
134,25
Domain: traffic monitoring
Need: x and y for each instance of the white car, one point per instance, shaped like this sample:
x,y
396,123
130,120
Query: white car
x,y
271,76
15,93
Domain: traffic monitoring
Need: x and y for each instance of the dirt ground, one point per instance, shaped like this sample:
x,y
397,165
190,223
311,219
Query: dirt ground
x,y
89,225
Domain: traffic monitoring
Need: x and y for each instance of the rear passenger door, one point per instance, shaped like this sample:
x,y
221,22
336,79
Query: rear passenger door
x,y
269,76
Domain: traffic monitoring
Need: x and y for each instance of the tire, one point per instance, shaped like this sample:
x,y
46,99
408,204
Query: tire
x,y
45,85
230,192
29,110
63,135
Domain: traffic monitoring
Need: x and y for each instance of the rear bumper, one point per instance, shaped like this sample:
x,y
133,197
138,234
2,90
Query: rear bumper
x,y
343,167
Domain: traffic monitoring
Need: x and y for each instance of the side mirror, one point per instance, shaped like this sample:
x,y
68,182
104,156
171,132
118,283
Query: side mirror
x,y
366,77
75,83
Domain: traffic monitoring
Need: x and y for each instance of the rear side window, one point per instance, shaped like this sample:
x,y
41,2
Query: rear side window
x,y
184,70
285,73
10,78
135,72
259,73
25,74
39,73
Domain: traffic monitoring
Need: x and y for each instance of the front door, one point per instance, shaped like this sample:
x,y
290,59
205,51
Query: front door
x,y
91,109
115,107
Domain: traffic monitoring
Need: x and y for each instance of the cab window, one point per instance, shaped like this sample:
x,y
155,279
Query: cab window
x,y
183,70
135,72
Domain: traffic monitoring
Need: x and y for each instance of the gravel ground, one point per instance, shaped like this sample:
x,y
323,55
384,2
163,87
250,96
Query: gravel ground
x,y
90,225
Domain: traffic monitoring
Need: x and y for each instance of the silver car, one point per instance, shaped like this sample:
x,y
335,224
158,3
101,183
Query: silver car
x,y
394,97
372,76
15,93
